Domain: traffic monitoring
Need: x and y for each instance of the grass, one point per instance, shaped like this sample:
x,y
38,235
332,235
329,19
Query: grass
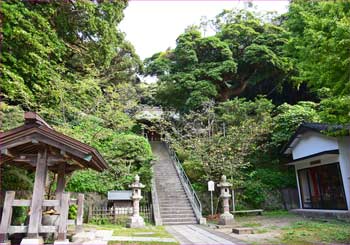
x,y
281,227
141,243
316,231
251,224
278,214
148,231
157,231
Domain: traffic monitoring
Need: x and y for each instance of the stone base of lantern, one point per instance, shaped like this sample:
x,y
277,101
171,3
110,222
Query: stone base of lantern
x,y
135,222
32,241
5,243
61,242
226,219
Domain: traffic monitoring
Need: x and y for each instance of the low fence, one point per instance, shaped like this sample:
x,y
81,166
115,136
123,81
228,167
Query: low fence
x,y
118,215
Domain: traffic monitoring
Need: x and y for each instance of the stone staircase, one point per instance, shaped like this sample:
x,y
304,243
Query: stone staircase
x,y
174,205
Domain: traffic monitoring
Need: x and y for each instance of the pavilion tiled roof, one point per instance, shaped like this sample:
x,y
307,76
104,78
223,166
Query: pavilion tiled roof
x,y
36,132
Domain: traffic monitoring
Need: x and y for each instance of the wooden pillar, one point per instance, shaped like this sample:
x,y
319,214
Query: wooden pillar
x,y
6,215
38,194
61,182
64,208
80,214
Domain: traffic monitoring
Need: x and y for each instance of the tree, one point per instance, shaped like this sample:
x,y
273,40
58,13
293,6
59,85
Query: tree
x,y
288,119
220,139
319,44
51,47
244,52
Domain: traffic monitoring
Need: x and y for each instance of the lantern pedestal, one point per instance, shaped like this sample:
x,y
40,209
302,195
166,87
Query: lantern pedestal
x,y
135,222
226,219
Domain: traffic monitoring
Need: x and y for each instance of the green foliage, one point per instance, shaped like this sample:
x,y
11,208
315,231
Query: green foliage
x,y
11,117
254,193
58,55
194,170
126,153
274,178
90,181
73,212
319,43
220,139
335,110
244,52
289,117
31,55
19,215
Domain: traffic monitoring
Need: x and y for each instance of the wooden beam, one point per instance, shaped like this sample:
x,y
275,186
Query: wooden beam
x,y
27,203
62,146
62,228
38,194
6,215
33,158
7,152
24,229
51,203
21,203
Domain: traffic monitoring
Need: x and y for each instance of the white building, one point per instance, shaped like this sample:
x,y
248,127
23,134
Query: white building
x,y
322,166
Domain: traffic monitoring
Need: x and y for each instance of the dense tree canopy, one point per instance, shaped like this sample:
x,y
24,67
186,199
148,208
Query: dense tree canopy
x,y
50,47
320,43
244,52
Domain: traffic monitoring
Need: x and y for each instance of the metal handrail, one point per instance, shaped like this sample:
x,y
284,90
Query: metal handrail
x,y
195,202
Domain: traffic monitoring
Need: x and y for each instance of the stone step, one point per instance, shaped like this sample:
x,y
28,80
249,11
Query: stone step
x,y
176,215
173,206
190,220
177,203
169,185
172,198
180,223
172,194
179,216
176,210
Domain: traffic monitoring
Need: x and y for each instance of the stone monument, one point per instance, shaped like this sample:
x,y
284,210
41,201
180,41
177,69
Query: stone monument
x,y
136,221
226,218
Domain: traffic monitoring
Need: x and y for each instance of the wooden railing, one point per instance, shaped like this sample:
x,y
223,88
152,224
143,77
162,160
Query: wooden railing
x,y
61,205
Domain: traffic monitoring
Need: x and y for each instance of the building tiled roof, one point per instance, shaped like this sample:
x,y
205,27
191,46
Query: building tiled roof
x,y
322,128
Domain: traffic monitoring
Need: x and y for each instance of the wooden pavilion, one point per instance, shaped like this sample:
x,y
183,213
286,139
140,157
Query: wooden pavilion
x,y
38,147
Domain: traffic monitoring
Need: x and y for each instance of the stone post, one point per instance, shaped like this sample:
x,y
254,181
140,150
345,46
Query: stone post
x,y
136,221
226,218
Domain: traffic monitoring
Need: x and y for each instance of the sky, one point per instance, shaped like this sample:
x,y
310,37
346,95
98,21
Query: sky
x,y
153,26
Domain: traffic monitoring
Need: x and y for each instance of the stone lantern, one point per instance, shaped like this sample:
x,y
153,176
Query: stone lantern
x,y
136,221
226,218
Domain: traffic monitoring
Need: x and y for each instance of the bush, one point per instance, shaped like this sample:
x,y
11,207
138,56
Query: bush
x,y
73,212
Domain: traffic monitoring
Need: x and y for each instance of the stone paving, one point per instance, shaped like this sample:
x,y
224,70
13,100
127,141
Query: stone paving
x,y
195,234
102,237
184,234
